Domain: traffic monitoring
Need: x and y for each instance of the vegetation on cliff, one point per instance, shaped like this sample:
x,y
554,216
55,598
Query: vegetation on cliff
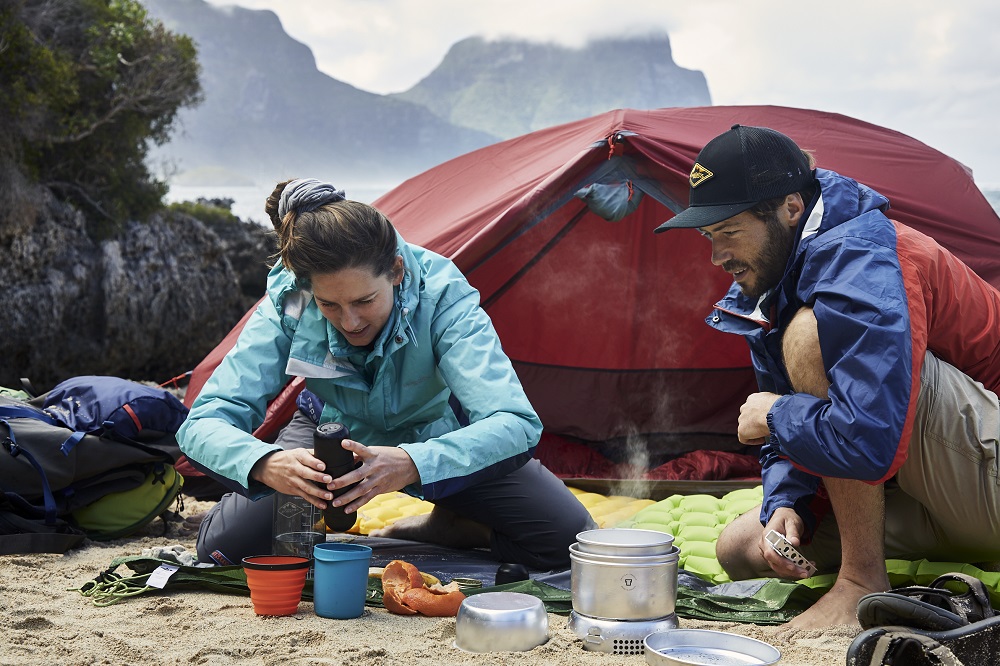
x,y
88,86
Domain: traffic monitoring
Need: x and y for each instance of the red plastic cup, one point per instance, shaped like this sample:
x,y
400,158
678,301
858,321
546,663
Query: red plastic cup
x,y
275,582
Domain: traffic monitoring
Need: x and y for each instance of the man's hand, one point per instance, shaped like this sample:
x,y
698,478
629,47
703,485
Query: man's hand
x,y
784,521
752,428
384,469
294,472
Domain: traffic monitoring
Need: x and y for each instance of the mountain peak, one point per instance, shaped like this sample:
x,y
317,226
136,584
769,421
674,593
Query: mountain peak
x,y
508,87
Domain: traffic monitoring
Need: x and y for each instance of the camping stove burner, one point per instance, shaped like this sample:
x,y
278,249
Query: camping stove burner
x,y
617,636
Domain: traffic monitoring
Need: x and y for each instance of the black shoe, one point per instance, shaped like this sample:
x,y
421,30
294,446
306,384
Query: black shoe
x,y
974,644
932,608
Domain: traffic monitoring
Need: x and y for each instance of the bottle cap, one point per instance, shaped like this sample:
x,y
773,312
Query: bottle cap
x,y
332,430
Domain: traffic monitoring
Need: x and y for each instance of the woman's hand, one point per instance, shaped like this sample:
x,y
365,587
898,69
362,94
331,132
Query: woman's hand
x,y
294,472
783,521
383,470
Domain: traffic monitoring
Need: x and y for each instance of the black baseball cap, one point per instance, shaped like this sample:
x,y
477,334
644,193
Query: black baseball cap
x,y
737,170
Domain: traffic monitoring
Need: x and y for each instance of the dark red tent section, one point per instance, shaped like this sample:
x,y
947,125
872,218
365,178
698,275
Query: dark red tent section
x,y
604,321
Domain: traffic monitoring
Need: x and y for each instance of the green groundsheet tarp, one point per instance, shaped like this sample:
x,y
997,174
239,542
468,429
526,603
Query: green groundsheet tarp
x,y
759,601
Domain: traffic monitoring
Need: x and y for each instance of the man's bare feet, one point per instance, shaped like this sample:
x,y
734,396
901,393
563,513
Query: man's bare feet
x,y
440,526
838,606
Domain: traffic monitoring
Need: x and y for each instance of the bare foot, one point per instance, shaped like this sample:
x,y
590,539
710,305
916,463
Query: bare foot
x,y
440,526
838,606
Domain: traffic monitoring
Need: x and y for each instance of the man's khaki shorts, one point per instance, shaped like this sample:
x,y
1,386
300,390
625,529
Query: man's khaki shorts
x,y
944,503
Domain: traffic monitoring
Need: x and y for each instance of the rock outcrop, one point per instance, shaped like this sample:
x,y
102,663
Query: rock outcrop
x,y
148,304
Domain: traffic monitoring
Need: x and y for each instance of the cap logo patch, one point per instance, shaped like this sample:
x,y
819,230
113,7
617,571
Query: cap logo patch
x,y
699,175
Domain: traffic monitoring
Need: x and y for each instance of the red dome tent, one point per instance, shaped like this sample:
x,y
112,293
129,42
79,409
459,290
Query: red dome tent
x,y
604,321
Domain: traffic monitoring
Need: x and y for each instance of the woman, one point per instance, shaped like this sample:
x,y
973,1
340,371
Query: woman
x,y
392,343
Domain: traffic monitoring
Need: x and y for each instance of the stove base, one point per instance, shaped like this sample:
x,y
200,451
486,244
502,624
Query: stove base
x,y
617,636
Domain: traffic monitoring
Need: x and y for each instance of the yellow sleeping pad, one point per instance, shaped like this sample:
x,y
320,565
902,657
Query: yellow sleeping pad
x,y
383,510
694,520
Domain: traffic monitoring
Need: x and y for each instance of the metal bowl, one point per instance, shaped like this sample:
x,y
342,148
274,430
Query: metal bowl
x,y
501,622
686,647
623,541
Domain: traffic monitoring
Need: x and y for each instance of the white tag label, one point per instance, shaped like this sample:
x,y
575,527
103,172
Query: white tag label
x,y
162,574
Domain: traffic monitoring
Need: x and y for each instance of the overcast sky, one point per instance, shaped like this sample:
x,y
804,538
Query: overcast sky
x,y
926,68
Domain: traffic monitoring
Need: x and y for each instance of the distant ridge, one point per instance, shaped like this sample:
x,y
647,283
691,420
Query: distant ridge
x,y
270,114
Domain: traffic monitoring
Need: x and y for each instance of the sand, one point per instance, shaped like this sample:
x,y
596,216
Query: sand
x,y
44,621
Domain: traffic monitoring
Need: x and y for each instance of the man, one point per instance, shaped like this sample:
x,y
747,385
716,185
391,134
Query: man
x,y
877,355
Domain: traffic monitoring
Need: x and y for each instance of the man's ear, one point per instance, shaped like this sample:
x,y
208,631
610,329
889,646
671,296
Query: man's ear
x,y
796,207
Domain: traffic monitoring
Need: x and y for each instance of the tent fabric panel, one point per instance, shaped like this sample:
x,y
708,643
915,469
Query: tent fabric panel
x,y
514,259
448,206
575,461
664,409
605,296
204,370
462,205
927,189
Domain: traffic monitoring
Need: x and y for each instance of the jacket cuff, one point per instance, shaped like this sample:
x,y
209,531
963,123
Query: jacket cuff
x,y
772,438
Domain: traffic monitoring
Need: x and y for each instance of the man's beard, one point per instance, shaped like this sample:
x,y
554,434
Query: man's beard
x,y
769,266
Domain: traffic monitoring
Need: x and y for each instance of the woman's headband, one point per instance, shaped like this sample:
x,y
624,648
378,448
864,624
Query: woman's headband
x,y
307,194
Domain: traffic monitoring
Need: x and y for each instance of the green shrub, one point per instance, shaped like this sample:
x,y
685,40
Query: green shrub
x,y
209,211
88,86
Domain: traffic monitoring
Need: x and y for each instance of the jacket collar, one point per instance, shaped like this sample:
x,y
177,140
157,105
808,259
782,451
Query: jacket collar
x,y
839,199
319,349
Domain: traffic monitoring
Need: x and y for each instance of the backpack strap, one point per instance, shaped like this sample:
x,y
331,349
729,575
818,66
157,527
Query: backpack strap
x,y
22,412
14,450
23,530
8,411
27,387
38,542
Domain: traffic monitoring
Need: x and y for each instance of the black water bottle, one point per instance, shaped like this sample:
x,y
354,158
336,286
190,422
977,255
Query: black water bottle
x,y
339,461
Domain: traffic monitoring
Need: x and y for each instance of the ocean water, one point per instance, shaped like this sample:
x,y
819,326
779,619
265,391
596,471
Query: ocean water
x,y
248,201
993,196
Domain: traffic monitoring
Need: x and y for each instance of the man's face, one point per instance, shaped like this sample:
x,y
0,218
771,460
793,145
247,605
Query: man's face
x,y
753,250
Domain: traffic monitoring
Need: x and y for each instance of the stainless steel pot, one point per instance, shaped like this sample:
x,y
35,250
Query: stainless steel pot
x,y
623,588
627,542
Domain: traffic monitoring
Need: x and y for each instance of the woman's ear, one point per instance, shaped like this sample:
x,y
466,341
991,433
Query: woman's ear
x,y
397,271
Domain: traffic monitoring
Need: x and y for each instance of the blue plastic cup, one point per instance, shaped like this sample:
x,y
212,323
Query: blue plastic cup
x,y
340,582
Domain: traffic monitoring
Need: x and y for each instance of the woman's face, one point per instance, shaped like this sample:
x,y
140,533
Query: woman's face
x,y
357,302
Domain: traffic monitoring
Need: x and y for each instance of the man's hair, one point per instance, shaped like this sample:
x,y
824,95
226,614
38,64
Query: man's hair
x,y
766,209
